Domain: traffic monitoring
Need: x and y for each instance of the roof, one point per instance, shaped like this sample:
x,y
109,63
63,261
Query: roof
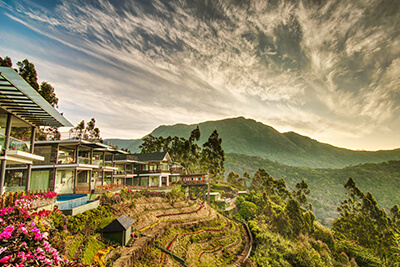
x,y
20,99
151,157
97,146
122,223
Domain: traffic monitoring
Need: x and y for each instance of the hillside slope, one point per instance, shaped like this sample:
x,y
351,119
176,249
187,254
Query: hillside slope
x,y
327,191
249,137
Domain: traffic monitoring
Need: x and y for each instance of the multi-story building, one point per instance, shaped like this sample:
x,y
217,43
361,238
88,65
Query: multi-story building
x,y
145,169
22,109
73,166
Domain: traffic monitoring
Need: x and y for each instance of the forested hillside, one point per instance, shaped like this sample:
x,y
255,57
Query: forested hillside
x,y
382,180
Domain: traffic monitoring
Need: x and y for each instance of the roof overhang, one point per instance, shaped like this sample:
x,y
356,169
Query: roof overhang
x,y
20,99
20,157
79,167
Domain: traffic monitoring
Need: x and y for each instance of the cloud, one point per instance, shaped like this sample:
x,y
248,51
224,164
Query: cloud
x,y
323,69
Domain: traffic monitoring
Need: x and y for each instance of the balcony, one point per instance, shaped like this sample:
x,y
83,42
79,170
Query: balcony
x,y
83,160
18,152
157,170
15,144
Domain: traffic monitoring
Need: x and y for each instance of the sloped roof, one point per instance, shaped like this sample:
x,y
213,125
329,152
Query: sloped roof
x,y
122,223
20,99
150,157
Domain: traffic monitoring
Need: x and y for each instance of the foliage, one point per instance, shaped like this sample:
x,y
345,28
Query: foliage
x,y
382,180
6,62
175,194
24,237
88,220
247,210
28,72
235,180
188,153
213,156
361,219
86,132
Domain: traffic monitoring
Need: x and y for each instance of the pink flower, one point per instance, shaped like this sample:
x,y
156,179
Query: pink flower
x,y
38,237
5,259
23,229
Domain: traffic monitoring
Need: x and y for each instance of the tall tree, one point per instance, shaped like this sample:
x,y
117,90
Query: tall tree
x,y
361,219
213,156
28,72
47,92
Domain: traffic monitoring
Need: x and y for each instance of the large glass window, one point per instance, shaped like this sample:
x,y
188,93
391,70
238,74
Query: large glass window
x,y
66,155
84,157
15,180
82,177
39,180
98,159
64,182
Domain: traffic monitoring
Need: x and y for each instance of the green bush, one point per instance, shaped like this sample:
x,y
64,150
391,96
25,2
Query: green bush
x,y
90,219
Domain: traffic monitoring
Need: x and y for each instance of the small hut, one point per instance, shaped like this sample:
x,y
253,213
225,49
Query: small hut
x,y
119,230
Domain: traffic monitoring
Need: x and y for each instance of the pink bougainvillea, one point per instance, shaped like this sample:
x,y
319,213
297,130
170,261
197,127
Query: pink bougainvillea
x,y
24,242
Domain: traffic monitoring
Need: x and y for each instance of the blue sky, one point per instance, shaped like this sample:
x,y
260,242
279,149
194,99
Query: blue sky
x,y
329,70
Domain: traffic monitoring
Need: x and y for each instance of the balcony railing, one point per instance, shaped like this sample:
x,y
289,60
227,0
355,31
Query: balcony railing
x,y
83,160
15,144
158,170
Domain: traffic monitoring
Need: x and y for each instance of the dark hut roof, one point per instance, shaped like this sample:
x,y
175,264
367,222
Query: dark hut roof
x,y
120,224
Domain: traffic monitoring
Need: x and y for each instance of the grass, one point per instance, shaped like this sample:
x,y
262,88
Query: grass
x,y
91,249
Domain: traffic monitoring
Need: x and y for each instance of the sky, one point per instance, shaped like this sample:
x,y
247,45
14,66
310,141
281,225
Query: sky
x,y
326,69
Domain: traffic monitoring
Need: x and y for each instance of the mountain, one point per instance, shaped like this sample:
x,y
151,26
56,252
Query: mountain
x,y
249,137
131,144
327,190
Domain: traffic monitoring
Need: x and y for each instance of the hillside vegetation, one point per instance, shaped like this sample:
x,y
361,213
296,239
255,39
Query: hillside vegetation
x,y
381,179
249,137
286,233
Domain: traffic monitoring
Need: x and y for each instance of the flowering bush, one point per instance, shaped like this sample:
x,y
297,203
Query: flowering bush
x,y
24,237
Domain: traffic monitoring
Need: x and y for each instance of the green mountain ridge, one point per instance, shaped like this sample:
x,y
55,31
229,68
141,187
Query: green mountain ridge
x,y
252,138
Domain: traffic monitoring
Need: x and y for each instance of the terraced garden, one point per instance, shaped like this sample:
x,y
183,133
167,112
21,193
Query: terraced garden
x,y
197,235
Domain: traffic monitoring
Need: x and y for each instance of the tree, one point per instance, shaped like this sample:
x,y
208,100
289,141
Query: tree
x,y
301,194
184,151
247,179
47,92
235,180
28,72
361,219
6,62
213,156
89,132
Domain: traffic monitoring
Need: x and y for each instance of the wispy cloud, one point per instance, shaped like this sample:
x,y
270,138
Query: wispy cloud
x,y
324,69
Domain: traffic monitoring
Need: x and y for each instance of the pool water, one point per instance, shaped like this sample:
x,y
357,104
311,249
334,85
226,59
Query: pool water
x,y
68,202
